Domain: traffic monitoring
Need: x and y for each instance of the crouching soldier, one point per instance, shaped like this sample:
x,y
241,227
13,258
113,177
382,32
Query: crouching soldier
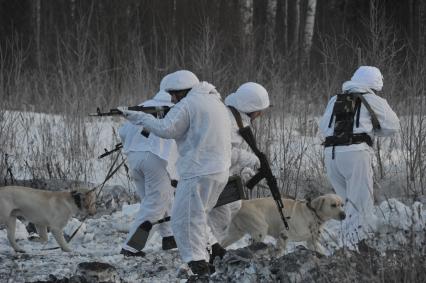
x,y
349,123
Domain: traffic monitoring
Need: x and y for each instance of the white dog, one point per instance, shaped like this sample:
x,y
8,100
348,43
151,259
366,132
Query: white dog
x,y
45,209
260,217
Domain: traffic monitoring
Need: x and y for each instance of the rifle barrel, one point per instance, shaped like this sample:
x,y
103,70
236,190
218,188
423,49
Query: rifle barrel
x,y
155,110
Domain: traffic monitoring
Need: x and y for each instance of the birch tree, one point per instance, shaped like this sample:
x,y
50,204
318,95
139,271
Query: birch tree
x,y
294,23
260,8
36,7
309,28
281,25
422,28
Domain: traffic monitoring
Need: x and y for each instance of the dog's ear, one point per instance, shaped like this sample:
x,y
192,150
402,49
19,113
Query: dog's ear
x,y
318,203
77,198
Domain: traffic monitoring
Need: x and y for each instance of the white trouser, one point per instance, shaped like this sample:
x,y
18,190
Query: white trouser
x,y
195,198
220,218
351,175
152,181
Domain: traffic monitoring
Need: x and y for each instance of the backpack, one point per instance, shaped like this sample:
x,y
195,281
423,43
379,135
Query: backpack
x,y
346,112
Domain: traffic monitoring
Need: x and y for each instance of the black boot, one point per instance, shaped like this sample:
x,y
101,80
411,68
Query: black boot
x,y
201,271
127,253
217,250
168,243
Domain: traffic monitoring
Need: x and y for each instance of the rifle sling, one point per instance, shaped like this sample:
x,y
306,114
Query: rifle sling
x,y
252,141
237,117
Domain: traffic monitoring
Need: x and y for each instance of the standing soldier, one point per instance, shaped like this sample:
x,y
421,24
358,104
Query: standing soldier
x,y
200,125
349,123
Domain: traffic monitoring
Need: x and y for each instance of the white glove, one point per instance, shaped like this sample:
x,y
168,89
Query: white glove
x,y
246,174
246,158
132,116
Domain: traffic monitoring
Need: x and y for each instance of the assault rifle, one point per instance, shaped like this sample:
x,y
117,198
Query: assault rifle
x,y
264,172
157,111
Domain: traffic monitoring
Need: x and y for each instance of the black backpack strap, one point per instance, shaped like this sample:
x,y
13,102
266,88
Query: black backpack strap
x,y
357,111
331,117
237,116
331,120
374,120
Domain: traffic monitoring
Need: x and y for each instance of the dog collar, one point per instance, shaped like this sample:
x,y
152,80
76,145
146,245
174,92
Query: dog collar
x,y
308,204
77,198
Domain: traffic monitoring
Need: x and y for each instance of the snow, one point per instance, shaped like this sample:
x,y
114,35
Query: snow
x,y
100,237
97,240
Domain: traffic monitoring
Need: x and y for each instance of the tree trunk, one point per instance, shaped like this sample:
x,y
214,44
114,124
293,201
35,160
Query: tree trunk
x,y
422,28
309,29
285,16
37,27
411,18
247,17
294,23
260,8
281,26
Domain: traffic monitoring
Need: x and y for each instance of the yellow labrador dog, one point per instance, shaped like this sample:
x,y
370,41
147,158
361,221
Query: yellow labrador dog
x,y
260,217
45,209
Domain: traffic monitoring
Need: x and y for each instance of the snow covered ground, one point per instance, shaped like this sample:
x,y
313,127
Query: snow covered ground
x,y
99,239
39,138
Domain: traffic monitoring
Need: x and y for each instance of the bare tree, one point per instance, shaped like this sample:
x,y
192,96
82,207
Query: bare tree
x,y
422,27
281,25
260,8
309,28
36,10
294,23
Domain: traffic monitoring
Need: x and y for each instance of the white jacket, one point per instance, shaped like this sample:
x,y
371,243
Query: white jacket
x,y
200,125
389,121
134,141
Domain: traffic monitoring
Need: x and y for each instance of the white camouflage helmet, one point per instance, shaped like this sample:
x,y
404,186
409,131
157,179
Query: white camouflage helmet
x,y
164,82
249,97
180,80
162,97
368,76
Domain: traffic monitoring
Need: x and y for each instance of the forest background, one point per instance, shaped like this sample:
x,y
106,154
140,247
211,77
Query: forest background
x,y
67,57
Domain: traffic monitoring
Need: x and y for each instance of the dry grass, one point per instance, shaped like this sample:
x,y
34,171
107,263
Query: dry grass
x,y
80,78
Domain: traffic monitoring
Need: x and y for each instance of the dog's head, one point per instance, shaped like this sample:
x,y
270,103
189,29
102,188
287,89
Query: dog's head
x,y
85,200
329,206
